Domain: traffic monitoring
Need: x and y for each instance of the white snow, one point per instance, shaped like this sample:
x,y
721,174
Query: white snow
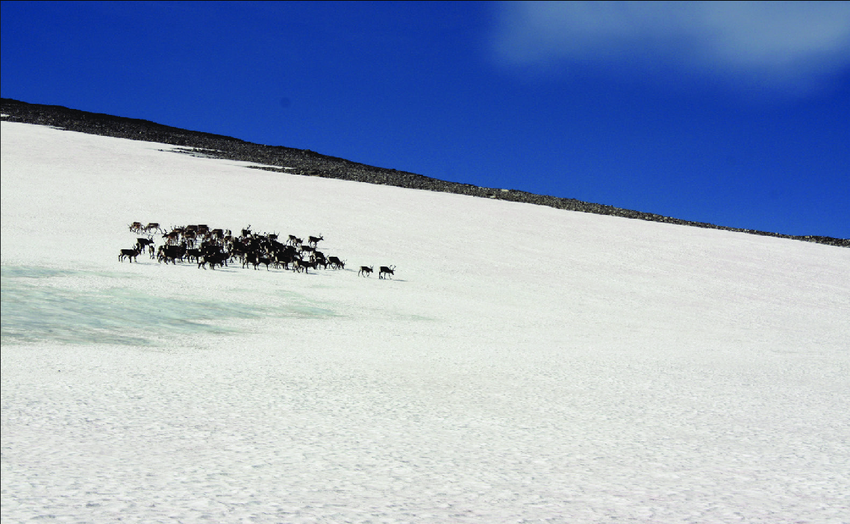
x,y
526,364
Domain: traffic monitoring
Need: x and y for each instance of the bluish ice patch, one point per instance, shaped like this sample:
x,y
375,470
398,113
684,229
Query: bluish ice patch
x,y
300,306
310,311
35,311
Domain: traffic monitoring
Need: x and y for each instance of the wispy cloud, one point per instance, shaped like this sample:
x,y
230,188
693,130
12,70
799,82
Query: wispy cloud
x,y
781,45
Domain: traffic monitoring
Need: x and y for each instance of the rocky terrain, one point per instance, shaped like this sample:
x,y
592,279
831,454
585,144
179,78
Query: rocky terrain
x,y
310,163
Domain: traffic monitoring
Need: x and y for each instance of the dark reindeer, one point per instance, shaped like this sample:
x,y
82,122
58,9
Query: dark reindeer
x,y
264,260
388,271
171,253
143,243
336,263
300,264
252,258
213,259
130,254
284,257
194,255
365,271
312,241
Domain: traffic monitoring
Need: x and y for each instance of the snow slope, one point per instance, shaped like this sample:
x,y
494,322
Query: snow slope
x,y
525,364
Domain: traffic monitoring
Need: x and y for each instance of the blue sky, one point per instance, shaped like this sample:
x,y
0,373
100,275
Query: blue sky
x,y
736,114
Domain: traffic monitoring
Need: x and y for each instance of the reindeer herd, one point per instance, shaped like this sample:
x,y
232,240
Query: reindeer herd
x,y
202,245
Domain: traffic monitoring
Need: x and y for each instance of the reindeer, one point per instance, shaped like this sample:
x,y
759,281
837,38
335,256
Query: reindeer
x,y
171,254
386,271
213,259
189,236
336,263
320,262
294,241
130,254
152,226
303,264
239,250
283,255
137,227
365,271
312,241
143,243
265,260
194,255
282,259
251,258
173,238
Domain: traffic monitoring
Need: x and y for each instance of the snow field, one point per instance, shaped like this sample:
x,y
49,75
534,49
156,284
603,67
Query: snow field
x,y
526,364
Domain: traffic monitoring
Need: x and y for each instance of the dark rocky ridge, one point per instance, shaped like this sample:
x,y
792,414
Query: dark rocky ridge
x,y
309,163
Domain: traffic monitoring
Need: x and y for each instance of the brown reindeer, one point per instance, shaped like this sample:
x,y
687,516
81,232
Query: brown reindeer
x,y
152,226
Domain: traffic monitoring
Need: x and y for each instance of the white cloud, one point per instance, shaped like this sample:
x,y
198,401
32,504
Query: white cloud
x,y
785,44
